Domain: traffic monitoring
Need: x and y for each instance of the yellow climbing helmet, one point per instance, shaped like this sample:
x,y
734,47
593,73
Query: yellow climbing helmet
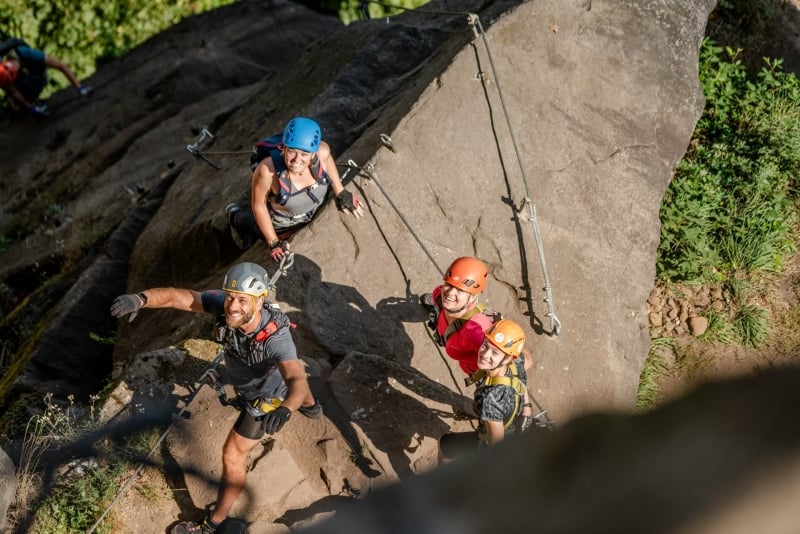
x,y
467,274
507,336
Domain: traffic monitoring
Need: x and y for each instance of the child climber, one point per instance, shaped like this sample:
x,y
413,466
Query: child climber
x,y
501,398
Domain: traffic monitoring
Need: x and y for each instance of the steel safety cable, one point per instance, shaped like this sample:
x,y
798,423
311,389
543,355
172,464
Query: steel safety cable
x,y
555,324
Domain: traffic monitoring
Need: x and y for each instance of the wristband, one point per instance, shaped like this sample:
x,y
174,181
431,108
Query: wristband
x,y
143,297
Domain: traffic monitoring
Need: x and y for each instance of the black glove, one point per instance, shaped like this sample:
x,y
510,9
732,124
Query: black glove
x,y
275,419
125,304
344,201
278,248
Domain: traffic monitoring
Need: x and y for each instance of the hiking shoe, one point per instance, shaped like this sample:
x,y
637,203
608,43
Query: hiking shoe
x,y
190,527
230,211
312,412
243,240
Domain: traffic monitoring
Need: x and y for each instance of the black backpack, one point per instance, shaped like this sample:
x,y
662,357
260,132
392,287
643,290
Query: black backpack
x,y
9,44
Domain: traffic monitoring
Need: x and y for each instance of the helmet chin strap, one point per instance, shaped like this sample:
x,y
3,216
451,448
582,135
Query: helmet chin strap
x,y
256,314
505,361
471,301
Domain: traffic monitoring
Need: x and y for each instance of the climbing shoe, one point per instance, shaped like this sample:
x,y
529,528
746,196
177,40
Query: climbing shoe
x,y
190,527
85,90
242,239
312,412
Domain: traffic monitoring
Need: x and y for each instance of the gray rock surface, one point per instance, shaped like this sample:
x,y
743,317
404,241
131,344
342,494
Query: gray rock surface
x,y
725,459
8,486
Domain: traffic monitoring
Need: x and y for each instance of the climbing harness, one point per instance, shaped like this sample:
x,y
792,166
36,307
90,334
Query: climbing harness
x,y
458,324
482,379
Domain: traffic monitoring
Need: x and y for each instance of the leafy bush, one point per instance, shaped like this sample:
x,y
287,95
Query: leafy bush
x,y
730,206
82,32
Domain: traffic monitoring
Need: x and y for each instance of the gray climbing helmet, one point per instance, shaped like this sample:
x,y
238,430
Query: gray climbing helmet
x,y
248,278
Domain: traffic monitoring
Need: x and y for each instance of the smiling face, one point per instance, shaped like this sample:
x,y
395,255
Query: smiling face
x,y
456,301
490,357
296,160
240,309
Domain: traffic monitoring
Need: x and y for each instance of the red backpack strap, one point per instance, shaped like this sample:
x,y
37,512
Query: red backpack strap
x,y
267,331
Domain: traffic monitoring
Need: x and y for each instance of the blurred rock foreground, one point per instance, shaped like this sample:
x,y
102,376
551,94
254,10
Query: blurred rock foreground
x,y
601,96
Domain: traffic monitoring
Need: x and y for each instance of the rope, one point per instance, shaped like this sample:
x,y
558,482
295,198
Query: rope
x,y
555,324
152,451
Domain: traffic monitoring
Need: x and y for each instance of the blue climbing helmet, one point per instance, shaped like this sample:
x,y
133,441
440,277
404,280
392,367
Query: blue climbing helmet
x,y
302,134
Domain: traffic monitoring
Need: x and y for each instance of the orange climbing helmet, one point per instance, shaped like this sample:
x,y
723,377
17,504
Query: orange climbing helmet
x,y
507,336
467,274
8,73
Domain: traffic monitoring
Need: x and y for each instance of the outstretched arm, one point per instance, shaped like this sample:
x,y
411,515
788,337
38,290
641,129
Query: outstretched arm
x,y
159,297
54,63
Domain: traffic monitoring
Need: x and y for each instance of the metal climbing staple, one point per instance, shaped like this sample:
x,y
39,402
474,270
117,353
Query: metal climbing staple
x,y
200,142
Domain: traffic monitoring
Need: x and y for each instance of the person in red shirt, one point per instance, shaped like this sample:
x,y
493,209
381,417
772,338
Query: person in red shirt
x,y
459,322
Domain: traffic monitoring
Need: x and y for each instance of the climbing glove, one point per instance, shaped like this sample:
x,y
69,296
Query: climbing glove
x,y
125,304
275,419
39,111
346,201
278,248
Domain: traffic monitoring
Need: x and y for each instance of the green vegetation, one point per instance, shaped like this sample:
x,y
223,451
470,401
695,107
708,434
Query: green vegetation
x,y
729,218
655,368
730,209
82,494
83,33
103,340
350,10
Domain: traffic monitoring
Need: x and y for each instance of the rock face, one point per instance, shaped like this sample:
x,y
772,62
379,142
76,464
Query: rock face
x,y
8,483
710,463
599,99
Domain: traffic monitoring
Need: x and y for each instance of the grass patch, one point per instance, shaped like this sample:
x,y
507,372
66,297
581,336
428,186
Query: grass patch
x,y
85,486
720,329
650,394
751,324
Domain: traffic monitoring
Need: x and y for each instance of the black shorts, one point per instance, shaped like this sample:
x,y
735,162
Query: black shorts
x,y
249,426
